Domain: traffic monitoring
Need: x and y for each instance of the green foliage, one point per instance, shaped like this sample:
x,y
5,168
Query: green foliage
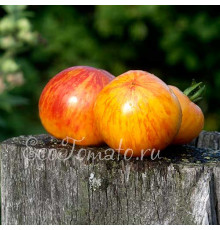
x,y
176,43
16,37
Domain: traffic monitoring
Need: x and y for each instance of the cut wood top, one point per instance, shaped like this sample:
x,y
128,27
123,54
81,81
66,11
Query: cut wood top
x,y
203,150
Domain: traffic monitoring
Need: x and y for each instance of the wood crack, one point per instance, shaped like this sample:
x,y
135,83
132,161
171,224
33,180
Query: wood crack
x,y
213,201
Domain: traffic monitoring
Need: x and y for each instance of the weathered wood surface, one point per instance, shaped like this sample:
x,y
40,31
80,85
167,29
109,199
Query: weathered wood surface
x,y
46,183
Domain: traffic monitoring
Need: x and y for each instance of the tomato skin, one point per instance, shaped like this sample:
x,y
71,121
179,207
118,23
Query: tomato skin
x,y
192,119
140,109
67,101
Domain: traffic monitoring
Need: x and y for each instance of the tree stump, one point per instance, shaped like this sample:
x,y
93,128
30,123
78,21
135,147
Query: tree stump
x,y
46,181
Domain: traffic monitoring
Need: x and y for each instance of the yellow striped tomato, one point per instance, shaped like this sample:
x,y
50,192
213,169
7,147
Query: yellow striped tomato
x,y
192,118
136,113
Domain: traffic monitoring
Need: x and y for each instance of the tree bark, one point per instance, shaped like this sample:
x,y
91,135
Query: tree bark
x,y
44,181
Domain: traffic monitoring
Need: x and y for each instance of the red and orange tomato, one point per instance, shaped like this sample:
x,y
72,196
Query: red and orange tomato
x,y
138,110
66,104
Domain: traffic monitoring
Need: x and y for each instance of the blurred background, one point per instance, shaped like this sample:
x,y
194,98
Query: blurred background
x,y
176,43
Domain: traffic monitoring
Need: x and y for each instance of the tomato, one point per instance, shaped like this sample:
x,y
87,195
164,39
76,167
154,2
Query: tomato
x,y
192,118
66,104
138,111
